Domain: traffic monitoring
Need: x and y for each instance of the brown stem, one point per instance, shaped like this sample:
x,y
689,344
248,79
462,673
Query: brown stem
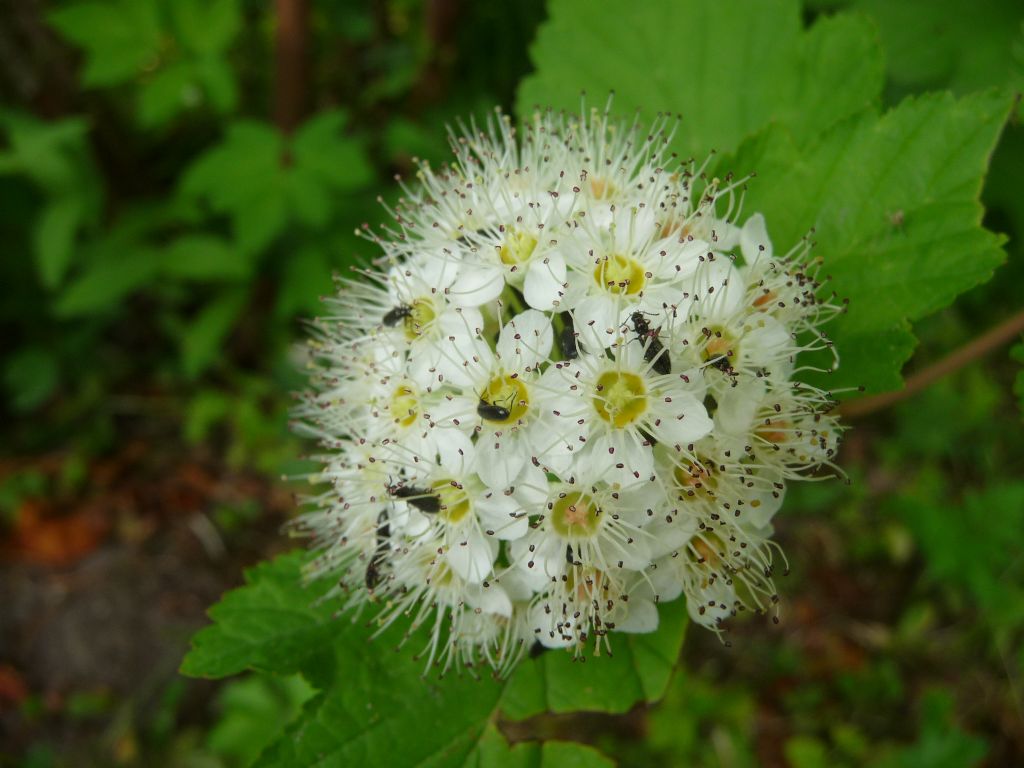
x,y
291,48
974,349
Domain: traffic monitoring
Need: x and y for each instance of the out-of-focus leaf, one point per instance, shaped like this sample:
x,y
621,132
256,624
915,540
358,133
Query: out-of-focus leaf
x,y
119,37
204,257
1017,354
940,743
321,149
805,752
204,336
243,178
56,158
254,712
54,235
167,92
50,154
307,277
204,411
265,183
30,375
493,751
103,284
947,43
218,82
206,26
974,546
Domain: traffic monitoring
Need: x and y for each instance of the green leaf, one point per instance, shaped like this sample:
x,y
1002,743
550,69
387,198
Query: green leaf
x,y
203,339
170,90
307,277
254,712
243,177
493,751
321,149
217,79
206,258
893,201
975,548
941,744
54,235
273,624
266,184
378,711
729,68
31,375
206,26
947,43
639,670
119,37
52,155
107,282
375,707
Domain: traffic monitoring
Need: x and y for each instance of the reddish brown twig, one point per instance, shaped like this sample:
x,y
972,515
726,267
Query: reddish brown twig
x,y
291,47
974,349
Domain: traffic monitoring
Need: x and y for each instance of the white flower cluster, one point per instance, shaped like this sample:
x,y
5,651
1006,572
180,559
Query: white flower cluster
x,y
564,395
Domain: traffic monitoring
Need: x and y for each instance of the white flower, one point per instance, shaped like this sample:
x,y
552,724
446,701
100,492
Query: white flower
x,y
567,395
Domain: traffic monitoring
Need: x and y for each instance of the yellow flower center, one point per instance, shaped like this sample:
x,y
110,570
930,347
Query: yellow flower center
x,y
422,314
620,274
517,248
455,503
405,405
509,393
721,346
621,398
695,481
575,515
601,188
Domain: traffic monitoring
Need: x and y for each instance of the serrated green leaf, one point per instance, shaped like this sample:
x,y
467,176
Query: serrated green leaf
x,y
893,202
376,708
729,68
272,624
119,37
202,340
378,711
